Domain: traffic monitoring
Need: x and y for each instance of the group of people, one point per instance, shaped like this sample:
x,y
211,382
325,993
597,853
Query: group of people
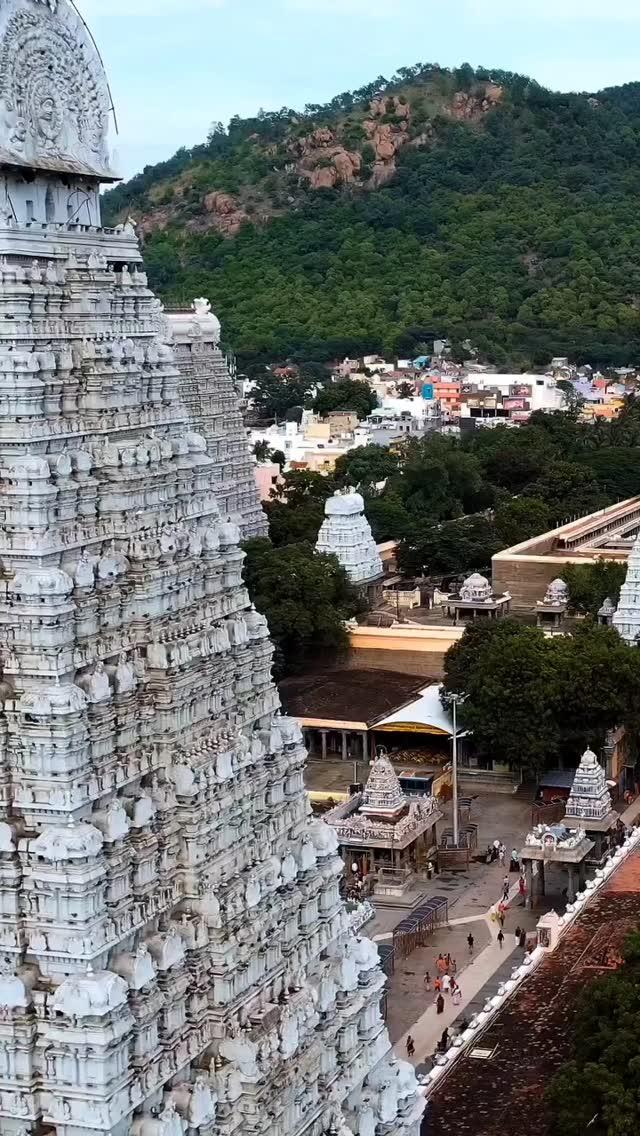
x,y
445,982
497,850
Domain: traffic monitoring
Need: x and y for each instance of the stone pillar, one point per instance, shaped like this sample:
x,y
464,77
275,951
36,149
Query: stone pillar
x,y
344,745
365,746
323,739
571,890
541,877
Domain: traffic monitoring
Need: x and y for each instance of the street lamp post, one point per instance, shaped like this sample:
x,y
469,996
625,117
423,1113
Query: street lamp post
x,y
455,699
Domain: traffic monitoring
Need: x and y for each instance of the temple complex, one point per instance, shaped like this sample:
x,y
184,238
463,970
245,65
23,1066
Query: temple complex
x,y
626,619
346,533
208,391
385,832
174,954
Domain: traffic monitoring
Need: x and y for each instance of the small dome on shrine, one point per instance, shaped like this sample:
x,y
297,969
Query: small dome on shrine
x,y
41,582
90,995
28,467
476,588
64,699
557,592
344,504
73,842
229,534
589,758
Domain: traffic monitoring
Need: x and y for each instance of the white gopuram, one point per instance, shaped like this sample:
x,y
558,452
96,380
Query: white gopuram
x,y
346,533
207,389
590,799
174,955
626,618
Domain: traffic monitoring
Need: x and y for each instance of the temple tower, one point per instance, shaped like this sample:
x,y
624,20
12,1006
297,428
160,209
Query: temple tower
x,y
208,391
346,533
626,619
174,955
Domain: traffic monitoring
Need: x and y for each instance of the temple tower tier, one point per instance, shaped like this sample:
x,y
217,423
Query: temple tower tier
x,y
174,954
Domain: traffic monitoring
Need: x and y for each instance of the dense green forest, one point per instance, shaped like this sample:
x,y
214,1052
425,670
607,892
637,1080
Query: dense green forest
x,y
512,222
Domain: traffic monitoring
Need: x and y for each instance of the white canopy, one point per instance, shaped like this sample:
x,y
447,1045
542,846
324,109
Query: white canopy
x,y
425,715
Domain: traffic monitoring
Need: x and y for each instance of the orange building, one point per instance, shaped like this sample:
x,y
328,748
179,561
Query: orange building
x,y
447,392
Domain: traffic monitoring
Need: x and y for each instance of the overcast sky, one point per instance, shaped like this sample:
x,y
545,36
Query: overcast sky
x,y
175,66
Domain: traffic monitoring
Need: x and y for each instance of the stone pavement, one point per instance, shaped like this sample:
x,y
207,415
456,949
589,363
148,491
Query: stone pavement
x,y
426,1032
411,1010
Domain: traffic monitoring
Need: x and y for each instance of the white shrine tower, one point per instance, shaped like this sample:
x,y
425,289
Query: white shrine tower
x,y
590,799
626,619
346,533
174,955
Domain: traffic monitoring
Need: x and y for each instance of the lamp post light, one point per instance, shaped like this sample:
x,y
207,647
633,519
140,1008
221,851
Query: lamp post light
x,y
456,700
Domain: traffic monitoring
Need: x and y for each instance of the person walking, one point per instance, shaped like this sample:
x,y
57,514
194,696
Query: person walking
x,y
501,919
410,1046
456,997
514,866
446,984
470,941
440,1004
501,938
517,932
505,888
427,981
502,853
437,986
454,966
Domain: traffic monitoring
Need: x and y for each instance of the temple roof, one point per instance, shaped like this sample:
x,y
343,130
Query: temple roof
x,y
382,793
358,696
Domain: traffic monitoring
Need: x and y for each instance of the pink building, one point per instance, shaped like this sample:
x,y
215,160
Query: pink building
x,y
267,476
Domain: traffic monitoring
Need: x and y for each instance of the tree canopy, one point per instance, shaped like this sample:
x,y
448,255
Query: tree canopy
x,y
531,701
591,584
348,394
597,1091
306,598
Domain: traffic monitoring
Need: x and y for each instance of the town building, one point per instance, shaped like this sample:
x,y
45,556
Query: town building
x,y
174,954
526,570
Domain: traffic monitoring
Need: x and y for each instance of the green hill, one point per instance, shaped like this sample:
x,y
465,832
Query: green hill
x,y
465,204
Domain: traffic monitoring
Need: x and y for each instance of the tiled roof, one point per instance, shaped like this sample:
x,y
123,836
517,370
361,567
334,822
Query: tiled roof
x,y
349,695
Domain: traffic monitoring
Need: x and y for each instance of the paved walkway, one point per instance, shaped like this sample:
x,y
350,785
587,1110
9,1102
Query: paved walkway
x,y
473,977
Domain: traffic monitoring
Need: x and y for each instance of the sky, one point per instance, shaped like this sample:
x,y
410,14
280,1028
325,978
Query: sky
x,y
176,66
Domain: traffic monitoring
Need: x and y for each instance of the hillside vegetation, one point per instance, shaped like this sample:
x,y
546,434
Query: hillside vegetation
x,y
465,204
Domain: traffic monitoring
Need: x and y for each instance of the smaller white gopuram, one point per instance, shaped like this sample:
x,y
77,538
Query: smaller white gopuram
x,y
346,533
626,619
590,798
